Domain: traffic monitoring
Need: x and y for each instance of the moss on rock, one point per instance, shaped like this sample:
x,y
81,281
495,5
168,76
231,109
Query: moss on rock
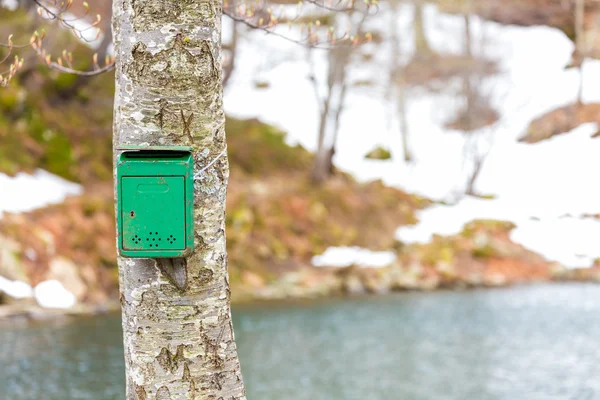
x,y
379,153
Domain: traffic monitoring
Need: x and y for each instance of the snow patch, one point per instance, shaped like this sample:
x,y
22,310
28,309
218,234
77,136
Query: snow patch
x,y
25,192
538,198
15,289
52,294
535,185
10,4
347,256
571,241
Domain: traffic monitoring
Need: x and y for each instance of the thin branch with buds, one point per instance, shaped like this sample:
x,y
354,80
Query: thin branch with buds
x,y
256,15
67,58
260,16
56,11
46,11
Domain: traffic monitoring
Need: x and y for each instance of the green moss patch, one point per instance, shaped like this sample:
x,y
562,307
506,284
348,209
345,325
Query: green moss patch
x,y
379,153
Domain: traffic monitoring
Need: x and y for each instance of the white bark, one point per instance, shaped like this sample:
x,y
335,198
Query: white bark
x,y
179,341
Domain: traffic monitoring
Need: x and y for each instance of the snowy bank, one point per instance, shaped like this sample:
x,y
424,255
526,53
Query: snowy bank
x,y
550,219
535,186
25,192
48,294
15,289
52,294
347,256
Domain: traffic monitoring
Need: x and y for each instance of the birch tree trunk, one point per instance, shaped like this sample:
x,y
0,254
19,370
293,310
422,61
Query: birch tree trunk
x,y
580,51
178,335
422,47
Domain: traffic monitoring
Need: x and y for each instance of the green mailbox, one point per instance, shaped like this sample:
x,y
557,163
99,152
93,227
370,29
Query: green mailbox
x,y
155,201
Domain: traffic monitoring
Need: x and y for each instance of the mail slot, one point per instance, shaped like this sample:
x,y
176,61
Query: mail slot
x,y
155,201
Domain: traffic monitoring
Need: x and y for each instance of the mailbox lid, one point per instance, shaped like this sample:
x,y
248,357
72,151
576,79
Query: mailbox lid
x,y
153,213
155,163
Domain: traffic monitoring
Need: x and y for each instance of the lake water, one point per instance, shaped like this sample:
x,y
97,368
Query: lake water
x,y
525,343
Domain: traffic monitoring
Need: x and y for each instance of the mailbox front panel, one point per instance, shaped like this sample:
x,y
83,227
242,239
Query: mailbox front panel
x,y
155,192
153,213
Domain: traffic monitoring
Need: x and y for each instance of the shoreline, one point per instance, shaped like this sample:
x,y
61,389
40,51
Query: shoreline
x,y
24,312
